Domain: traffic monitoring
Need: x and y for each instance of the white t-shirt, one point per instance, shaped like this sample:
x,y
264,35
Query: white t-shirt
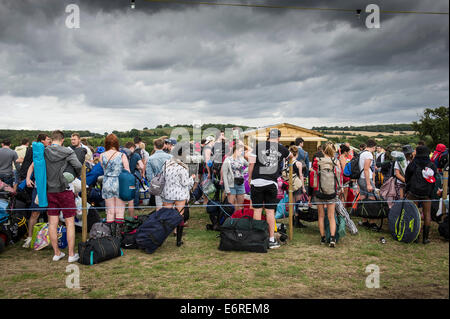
x,y
402,172
362,158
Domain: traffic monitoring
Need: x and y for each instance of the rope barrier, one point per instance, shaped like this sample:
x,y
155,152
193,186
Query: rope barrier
x,y
292,7
302,204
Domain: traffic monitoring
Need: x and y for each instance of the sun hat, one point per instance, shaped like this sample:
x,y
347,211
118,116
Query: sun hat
x,y
428,174
407,149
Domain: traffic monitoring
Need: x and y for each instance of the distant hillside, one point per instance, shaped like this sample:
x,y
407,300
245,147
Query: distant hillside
x,y
95,139
383,128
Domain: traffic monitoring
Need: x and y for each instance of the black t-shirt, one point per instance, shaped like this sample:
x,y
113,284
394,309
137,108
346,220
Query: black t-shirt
x,y
269,156
27,161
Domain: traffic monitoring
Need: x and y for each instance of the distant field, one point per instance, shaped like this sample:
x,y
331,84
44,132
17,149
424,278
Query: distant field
x,y
338,133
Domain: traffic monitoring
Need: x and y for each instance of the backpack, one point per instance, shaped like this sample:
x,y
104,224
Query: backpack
x,y
351,169
417,185
327,178
127,186
99,230
297,183
442,161
157,183
404,221
340,227
443,228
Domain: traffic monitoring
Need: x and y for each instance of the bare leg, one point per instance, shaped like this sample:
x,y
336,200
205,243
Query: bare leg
x,y
270,216
53,233
70,227
239,201
33,221
332,221
321,215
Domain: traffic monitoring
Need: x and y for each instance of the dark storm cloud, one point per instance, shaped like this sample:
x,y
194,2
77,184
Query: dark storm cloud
x,y
226,63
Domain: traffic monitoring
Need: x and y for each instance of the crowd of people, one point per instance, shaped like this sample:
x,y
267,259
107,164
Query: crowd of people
x,y
48,169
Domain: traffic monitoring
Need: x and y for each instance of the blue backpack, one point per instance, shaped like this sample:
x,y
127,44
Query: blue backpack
x,y
156,228
127,187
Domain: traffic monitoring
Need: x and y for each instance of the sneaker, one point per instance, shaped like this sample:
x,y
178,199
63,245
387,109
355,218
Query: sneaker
x,y
74,258
27,243
197,203
365,224
56,258
332,242
374,227
273,244
323,240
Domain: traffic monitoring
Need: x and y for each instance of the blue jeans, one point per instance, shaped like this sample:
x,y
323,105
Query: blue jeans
x,y
7,179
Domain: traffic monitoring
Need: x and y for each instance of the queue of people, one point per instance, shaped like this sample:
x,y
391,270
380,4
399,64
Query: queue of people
x,y
230,164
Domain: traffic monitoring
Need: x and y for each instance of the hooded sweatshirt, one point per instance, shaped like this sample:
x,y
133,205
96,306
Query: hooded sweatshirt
x,y
57,158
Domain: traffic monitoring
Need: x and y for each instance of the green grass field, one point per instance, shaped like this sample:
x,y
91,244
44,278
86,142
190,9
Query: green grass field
x,y
300,269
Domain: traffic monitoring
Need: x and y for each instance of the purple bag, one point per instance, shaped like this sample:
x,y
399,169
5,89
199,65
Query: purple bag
x,y
246,184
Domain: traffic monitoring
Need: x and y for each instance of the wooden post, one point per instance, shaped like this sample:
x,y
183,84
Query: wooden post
x,y
84,203
444,190
291,202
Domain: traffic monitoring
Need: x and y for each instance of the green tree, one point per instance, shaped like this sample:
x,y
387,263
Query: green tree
x,y
433,124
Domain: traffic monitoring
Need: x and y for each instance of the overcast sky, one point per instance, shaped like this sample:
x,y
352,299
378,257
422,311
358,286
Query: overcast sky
x,y
169,63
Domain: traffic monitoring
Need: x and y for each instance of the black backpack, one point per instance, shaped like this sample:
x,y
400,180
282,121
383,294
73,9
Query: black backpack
x,y
355,172
443,228
418,186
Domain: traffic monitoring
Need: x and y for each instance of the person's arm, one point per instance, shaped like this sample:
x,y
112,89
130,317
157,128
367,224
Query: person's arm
x,y
224,175
30,171
399,176
75,163
141,167
367,164
207,158
126,164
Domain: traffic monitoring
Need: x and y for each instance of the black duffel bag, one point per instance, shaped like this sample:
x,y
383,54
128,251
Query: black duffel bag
x,y
95,251
372,209
244,234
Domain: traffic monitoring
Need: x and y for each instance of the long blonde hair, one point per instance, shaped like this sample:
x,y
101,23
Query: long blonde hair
x,y
329,150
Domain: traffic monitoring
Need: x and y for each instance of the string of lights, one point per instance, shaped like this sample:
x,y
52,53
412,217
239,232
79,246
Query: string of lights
x,y
357,11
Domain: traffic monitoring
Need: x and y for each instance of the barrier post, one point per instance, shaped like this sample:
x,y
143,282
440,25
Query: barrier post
x,y
291,202
84,203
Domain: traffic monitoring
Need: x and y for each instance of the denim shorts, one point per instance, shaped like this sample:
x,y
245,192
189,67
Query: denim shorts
x,y
363,187
170,201
237,190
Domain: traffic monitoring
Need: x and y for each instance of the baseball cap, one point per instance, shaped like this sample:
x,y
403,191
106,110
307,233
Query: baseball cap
x,y
428,174
274,133
407,149
210,138
171,141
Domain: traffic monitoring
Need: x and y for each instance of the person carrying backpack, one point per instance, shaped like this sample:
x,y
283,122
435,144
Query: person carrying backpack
x,y
420,179
326,182
440,157
366,181
400,168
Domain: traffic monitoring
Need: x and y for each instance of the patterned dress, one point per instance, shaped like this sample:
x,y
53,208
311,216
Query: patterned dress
x,y
111,176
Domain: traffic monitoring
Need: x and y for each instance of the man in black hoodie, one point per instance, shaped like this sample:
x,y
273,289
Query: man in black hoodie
x,y
59,197
420,178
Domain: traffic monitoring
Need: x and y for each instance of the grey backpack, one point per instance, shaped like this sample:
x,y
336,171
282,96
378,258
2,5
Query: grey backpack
x,y
157,183
99,230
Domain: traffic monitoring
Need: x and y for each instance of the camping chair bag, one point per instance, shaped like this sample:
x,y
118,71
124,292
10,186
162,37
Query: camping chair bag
x,y
97,250
156,228
372,209
244,234
404,221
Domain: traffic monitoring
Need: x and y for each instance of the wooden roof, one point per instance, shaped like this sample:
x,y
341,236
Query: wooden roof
x,y
288,132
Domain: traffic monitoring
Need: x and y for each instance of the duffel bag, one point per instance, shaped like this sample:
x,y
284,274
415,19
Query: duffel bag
x,y
372,209
156,228
309,215
244,234
96,250
404,221
129,240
